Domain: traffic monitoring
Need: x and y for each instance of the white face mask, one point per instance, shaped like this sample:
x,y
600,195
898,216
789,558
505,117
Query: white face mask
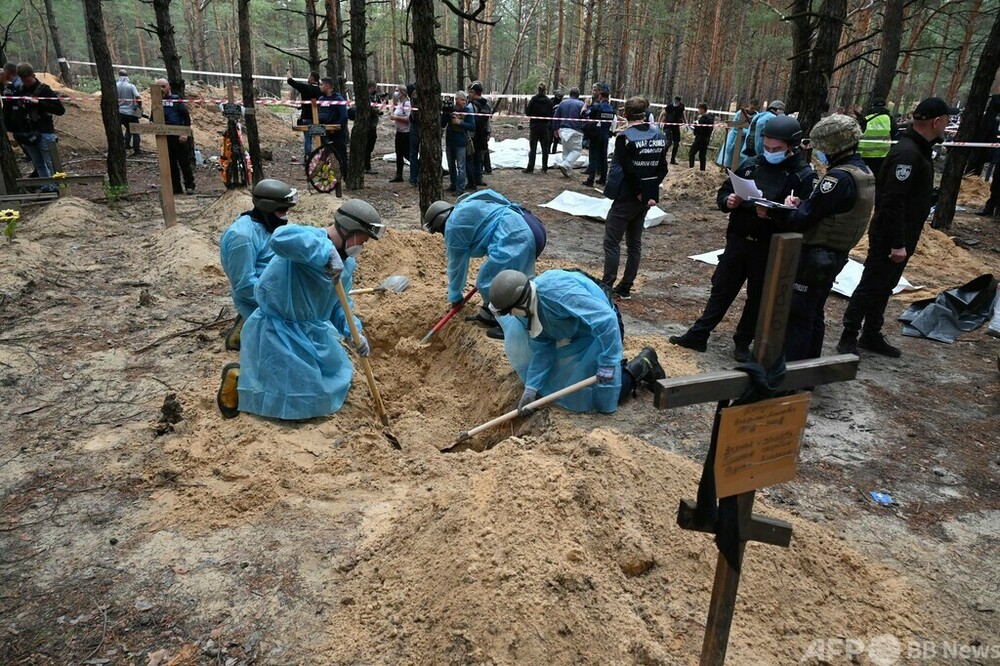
x,y
354,250
519,312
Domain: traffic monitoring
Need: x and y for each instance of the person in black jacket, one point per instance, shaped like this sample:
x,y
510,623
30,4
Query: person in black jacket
x,y
308,91
539,128
672,118
640,165
32,124
175,112
480,138
702,135
903,197
779,172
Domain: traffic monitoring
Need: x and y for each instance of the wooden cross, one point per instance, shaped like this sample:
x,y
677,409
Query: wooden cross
x,y
755,444
738,145
316,131
162,131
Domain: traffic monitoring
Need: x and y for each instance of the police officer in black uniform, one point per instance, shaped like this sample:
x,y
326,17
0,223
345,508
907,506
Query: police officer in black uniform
x,y
832,220
903,198
634,184
539,110
672,119
778,172
598,108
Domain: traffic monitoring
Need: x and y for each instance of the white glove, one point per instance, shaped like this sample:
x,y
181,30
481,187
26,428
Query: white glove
x,y
334,266
363,348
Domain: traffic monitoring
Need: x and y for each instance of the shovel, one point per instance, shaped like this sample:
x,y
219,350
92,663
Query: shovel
x,y
512,414
393,283
376,396
451,313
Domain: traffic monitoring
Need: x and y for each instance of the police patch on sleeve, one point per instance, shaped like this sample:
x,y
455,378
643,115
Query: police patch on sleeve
x,y
903,171
827,184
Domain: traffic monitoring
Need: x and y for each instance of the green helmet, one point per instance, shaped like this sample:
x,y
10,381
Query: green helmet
x,y
356,215
783,128
270,195
509,289
835,134
436,215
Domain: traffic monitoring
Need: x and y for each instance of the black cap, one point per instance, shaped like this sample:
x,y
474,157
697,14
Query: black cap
x,y
932,107
477,86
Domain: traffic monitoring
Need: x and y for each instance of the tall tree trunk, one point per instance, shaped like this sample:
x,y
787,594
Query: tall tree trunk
x,y
675,52
312,36
583,63
973,118
168,47
364,113
809,78
425,65
224,63
246,80
139,34
198,11
963,56
64,73
892,35
486,69
596,9
90,49
334,41
517,53
394,62
939,60
460,56
560,28
8,160
109,94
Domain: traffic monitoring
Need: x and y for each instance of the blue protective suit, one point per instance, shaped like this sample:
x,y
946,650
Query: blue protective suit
x,y
245,250
486,224
725,156
579,334
759,122
292,365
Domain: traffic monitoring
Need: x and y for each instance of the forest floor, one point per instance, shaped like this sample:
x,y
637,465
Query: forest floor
x,y
138,532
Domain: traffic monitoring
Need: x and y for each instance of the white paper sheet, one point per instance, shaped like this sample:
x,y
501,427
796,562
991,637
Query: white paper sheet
x,y
744,188
845,283
582,205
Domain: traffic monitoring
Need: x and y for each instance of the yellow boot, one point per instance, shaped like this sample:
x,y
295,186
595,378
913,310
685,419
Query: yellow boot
x,y
233,334
228,397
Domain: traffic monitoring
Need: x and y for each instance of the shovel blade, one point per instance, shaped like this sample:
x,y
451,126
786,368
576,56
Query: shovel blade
x,y
395,283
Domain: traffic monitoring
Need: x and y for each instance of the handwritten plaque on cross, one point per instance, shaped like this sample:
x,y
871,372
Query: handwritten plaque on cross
x,y
315,130
159,128
754,444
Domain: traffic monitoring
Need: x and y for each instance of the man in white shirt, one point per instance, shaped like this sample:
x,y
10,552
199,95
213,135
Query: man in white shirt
x,y
129,109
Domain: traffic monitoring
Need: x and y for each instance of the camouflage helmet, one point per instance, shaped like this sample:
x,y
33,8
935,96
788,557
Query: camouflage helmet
x,y
835,134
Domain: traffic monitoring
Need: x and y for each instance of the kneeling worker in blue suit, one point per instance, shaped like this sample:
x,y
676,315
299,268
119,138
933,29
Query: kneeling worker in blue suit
x,y
561,328
292,363
485,224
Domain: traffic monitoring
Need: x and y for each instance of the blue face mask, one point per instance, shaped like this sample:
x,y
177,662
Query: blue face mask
x,y
774,158
821,156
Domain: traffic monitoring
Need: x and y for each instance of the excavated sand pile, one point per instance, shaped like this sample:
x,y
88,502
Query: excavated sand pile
x,y
684,183
558,545
938,264
973,193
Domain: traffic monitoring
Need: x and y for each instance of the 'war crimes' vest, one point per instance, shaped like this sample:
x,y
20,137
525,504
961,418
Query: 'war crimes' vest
x,y
877,134
647,145
843,230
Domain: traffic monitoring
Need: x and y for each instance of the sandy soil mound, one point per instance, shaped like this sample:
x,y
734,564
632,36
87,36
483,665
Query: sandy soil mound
x,y
974,193
938,264
184,254
682,183
22,262
67,217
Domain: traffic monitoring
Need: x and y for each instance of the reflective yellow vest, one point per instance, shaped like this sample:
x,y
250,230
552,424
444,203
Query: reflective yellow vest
x,y
877,136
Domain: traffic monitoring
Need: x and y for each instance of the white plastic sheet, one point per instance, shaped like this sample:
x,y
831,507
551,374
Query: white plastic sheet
x,y
582,205
845,284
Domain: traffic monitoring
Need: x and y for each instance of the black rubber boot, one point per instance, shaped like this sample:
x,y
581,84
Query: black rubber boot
x,y
232,336
228,397
741,354
690,341
645,368
495,333
848,343
876,342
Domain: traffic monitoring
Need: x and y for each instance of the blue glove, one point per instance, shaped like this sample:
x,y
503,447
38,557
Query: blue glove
x,y
334,267
605,375
362,348
529,396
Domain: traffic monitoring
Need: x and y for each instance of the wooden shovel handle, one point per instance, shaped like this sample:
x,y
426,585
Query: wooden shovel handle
x,y
356,336
541,402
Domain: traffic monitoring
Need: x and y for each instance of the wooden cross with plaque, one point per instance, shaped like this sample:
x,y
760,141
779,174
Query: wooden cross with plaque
x,y
159,128
754,444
